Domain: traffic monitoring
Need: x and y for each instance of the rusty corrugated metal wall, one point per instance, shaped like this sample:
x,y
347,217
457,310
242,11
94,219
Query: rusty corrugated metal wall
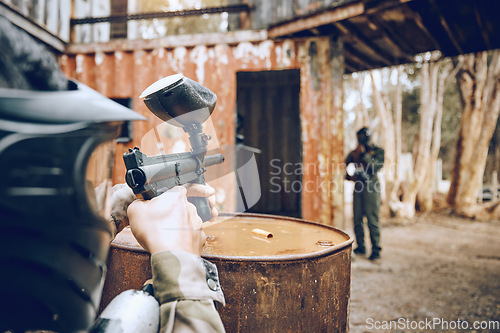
x,y
123,69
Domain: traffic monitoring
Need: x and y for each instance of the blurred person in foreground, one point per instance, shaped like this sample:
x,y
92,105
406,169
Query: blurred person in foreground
x,y
59,212
367,160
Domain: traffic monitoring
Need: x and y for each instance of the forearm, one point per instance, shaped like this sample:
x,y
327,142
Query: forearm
x,y
186,287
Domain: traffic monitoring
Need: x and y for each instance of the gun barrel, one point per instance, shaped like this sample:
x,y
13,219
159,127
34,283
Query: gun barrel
x,y
213,159
170,169
151,176
157,172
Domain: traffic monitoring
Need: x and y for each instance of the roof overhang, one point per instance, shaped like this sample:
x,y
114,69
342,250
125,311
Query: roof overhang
x,y
379,33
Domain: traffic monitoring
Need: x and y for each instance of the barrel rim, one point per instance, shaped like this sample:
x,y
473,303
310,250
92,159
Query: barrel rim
x,y
290,257
130,248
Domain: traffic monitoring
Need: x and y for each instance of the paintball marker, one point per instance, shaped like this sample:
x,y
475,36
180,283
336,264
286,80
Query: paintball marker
x,y
187,104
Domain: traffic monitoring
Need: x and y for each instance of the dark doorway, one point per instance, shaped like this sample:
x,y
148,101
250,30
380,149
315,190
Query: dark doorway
x,y
126,130
268,118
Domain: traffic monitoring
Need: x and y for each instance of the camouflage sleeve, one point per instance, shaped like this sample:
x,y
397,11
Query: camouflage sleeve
x,y
374,158
186,287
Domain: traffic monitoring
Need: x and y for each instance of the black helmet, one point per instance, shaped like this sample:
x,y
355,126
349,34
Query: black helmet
x,y
56,154
364,136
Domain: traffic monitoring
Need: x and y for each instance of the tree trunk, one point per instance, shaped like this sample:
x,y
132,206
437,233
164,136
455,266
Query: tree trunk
x,y
423,146
425,194
361,111
479,86
443,78
387,131
392,144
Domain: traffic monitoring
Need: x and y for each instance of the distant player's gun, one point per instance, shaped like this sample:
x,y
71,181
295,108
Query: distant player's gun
x,y
183,103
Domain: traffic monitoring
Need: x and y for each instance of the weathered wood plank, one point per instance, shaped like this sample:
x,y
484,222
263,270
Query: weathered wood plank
x,y
14,16
325,17
88,33
171,42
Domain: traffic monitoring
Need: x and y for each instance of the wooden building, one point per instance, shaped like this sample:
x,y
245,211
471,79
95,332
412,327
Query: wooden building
x,y
277,71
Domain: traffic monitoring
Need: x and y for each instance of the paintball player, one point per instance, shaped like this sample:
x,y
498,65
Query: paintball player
x,y
368,159
57,150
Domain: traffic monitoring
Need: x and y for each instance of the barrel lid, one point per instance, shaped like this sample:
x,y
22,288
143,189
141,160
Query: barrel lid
x,y
262,237
234,238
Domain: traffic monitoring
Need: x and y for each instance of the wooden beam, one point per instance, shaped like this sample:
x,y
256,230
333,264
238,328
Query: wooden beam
x,y
170,42
323,18
420,23
349,67
32,28
446,27
355,57
358,38
315,31
480,23
398,43
384,5
118,29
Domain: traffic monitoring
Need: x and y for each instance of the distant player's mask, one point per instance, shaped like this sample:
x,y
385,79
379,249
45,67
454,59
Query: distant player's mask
x,y
363,136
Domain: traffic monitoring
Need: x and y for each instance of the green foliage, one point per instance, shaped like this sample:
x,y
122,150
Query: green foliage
x,y
410,117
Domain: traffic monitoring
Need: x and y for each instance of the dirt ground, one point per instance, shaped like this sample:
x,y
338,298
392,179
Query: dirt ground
x,y
440,273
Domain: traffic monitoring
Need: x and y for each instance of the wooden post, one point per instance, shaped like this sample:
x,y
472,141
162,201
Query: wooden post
x,y
119,29
336,130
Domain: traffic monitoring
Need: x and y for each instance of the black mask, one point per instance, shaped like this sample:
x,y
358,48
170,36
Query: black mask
x,y
56,150
364,136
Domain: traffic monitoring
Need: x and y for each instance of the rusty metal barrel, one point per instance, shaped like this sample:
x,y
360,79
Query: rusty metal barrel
x,y
278,274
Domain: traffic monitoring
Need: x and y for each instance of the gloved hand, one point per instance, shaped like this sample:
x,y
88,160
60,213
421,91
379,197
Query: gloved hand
x,y
169,221
361,175
367,155
122,196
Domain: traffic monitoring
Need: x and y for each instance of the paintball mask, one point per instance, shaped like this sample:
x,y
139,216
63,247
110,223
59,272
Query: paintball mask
x,y
363,136
57,153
